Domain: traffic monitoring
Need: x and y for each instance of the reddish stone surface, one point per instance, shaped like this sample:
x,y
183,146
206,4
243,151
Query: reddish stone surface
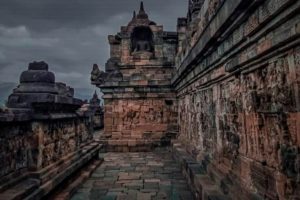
x,y
140,105
239,105
140,120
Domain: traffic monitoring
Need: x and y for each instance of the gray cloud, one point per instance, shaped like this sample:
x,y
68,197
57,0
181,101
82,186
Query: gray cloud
x,y
70,35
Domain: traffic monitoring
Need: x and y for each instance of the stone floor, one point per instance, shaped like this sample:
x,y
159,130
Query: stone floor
x,y
143,176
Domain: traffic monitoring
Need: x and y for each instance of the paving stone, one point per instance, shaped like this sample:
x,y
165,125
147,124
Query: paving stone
x,y
144,196
110,193
109,197
81,196
132,194
96,194
148,175
130,176
84,190
153,180
141,176
97,175
151,186
186,195
88,184
119,189
134,184
165,183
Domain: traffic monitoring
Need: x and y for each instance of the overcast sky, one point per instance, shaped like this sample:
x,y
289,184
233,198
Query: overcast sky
x,y
70,35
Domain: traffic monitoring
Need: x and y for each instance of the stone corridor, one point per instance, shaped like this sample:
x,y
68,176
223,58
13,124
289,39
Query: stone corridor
x,y
141,176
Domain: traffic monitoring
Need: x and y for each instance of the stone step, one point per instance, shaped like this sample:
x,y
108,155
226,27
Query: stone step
x,y
201,184
208,189
13,179
72,186
21,190
63,175
48,172
63,161
223,182
66,162
39,184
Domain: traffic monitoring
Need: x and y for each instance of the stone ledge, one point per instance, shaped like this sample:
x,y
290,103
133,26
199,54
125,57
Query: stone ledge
x,y
36,185
139,95
233,56
73,184
13,178
21,190
212,31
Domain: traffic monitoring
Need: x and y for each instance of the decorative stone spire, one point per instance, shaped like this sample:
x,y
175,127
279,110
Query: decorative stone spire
x,y
140,18
95,101
142,7
95,94
142,14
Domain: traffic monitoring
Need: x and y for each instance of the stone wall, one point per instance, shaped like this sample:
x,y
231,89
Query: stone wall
x,y
237,82
14,148
33,145
140,122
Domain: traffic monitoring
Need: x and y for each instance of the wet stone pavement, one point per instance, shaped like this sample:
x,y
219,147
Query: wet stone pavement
x,y
142,176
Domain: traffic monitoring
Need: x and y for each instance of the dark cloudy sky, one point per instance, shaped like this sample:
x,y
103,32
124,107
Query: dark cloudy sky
x,y
70,35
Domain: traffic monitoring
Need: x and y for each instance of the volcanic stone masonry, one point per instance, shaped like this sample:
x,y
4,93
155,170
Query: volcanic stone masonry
x,y
44,137
140,105
237,82
231,76
223,91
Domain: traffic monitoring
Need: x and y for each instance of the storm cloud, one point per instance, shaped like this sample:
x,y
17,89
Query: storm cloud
x,y
70,35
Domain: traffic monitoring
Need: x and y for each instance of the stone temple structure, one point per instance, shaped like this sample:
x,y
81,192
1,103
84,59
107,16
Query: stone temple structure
x,y
140,104
222,93
44,136
226,85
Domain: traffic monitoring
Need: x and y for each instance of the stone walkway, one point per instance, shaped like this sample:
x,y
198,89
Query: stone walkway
x,y
143,176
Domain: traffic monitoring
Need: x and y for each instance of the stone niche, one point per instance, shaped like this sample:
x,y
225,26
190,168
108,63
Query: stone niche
x,y
142,40
44,137
139,102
